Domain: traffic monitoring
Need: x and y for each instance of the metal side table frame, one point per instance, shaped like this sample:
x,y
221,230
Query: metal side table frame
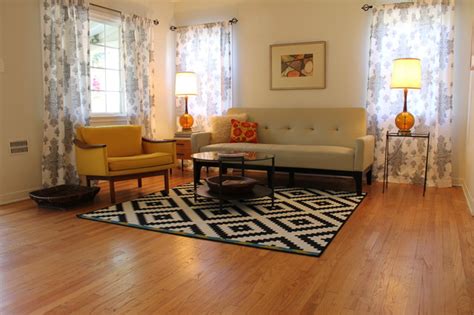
x,y
390,135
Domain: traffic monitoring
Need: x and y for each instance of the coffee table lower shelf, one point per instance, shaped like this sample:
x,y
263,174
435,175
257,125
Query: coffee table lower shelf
x,y
258,191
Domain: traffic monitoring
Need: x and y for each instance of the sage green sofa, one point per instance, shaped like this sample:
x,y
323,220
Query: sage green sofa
x,y
331,141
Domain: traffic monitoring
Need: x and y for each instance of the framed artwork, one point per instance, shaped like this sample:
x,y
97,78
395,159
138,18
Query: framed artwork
x,y
298,66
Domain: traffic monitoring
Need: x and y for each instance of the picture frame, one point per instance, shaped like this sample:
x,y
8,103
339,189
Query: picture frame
x,y
298,66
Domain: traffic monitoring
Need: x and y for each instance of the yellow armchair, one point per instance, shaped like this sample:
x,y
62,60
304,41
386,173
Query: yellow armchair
x,y
117,153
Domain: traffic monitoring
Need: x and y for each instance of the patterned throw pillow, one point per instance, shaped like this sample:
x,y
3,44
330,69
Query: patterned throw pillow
x,y
243,131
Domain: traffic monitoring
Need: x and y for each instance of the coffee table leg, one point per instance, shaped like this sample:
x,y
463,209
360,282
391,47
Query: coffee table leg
x,y
196,170
272,186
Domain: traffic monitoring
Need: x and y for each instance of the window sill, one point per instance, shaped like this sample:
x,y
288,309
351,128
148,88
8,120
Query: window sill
x,y
104,120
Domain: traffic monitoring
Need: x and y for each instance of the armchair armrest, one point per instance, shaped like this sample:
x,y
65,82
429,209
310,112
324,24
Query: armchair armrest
x,y
364,152
91,159
85,146
199,140
165,146
157,141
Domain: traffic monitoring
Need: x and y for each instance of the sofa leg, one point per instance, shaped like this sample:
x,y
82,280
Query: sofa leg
x,y
139,182
112,190
291,179
167,182
88,181
358,182
369,177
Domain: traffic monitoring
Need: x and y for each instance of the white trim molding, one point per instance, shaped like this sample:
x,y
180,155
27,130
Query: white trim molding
x,y
469,199
104,120
16,196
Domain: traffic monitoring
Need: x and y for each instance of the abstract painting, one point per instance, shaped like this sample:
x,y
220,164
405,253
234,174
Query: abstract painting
x,y
298,66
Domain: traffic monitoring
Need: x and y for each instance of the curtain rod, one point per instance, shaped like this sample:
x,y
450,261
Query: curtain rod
x,y
231,21
366,7
156,22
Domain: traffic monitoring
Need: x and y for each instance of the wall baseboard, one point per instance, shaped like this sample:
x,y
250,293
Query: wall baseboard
x,y
469,198
458,182
16,196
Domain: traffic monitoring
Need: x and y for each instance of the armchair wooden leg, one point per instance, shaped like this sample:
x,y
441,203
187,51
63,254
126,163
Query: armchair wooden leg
x,y
167,182
88,181
112,190
139,182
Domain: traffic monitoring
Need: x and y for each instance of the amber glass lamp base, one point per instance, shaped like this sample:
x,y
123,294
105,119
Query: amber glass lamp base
x,y
186,122
405,121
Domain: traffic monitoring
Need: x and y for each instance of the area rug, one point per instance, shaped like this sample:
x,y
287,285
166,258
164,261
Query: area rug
x,y
303,221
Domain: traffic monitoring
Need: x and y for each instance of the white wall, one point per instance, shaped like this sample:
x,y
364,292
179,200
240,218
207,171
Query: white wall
x,y
342,24
21,91
2,115
462,51
22,98
345,27
469,153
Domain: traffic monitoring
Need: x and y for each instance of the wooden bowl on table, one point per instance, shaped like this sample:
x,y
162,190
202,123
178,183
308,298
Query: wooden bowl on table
x,y
231,184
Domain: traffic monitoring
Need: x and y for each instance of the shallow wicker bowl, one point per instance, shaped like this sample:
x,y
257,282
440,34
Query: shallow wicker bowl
x,y
63,196
231,184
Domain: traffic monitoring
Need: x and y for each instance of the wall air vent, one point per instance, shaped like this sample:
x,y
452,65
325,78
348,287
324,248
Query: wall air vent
x,y
18,146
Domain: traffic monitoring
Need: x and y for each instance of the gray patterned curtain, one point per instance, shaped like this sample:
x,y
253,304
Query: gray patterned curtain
x,y
425,30
138,65
206,50
66,85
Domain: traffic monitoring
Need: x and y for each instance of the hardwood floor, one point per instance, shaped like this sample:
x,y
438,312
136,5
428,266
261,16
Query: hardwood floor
x,y
399,253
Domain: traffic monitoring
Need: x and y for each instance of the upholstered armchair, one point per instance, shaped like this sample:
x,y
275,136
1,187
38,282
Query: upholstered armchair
x,y
117,153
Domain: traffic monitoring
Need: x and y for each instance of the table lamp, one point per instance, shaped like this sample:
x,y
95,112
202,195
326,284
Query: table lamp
x,y
406,75
186,85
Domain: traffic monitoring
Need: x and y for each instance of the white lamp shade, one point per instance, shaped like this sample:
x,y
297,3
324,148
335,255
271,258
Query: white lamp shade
x,y
186,84
406,73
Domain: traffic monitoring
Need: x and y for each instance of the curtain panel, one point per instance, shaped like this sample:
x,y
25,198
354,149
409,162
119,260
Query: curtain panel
x,y
425,30
138,65
206,50
65,25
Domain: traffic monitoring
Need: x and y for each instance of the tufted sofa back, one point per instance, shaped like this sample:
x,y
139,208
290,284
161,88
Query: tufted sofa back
x,y
319,126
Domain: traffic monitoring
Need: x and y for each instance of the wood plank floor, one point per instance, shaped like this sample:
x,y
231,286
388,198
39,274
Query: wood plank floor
x,y
399,253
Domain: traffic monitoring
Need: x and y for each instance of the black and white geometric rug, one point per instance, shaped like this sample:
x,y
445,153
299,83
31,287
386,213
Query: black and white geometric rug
x,y
304,220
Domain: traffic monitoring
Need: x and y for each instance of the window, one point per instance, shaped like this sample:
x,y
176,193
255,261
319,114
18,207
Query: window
x,y
105,66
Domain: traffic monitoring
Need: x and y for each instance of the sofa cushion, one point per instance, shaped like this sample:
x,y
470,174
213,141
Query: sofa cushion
x,y
299,156
120,140
220,127
139,161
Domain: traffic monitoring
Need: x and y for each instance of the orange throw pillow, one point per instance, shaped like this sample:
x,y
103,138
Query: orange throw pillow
x,y
243,131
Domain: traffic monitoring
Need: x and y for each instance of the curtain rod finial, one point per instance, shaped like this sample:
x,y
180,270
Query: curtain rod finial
x,y
233,20
173,28
156,22
366,7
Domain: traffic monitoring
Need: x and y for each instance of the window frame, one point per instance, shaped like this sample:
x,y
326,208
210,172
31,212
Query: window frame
x,y
106,17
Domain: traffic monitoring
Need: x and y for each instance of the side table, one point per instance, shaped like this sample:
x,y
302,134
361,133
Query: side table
x,y
391,135
183,150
